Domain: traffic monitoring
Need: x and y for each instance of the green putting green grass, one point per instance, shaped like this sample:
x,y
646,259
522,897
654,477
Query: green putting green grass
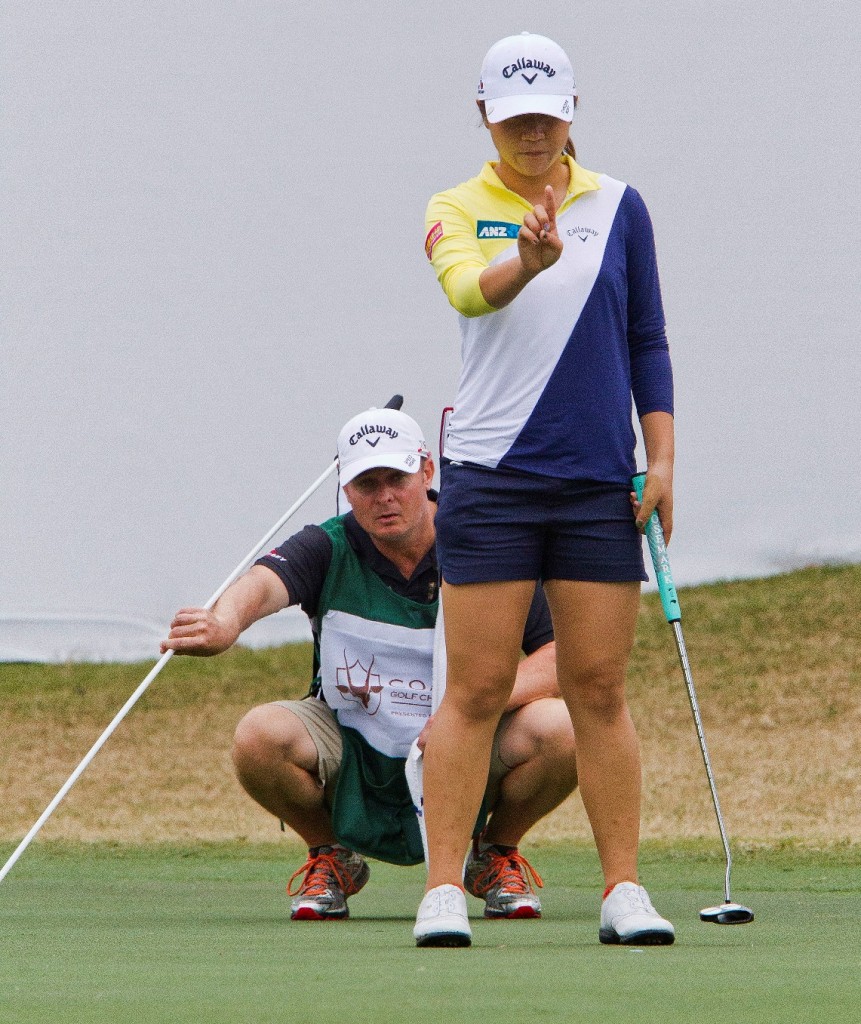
x,y
202,934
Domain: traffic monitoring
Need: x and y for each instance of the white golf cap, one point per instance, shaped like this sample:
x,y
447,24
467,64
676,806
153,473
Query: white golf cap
x,y
527,74
380,437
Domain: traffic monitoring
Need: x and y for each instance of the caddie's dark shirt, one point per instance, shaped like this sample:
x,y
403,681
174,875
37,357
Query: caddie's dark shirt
x,y
303,561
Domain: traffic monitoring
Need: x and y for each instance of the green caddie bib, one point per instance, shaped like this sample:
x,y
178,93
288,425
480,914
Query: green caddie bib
x,y
375,652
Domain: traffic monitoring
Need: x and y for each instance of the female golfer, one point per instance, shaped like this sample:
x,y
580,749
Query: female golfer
x,y
552,269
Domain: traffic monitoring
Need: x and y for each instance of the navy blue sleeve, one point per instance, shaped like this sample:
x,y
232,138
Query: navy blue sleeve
x,y
651,371
539,625
302,563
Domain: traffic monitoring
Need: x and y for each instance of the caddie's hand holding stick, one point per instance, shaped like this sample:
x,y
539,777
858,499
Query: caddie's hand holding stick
x,y
202,632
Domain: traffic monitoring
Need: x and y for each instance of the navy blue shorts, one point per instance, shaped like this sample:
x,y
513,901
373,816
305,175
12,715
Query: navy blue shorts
x,y
496,525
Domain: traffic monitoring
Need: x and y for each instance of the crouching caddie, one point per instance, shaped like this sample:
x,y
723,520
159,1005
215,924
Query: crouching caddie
x,y
331,766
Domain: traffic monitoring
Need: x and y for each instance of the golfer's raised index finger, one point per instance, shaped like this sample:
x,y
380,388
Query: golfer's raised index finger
x,y
550,206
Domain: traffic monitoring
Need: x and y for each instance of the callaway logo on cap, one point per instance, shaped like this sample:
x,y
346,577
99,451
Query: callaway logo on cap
x,y
380,437
527,74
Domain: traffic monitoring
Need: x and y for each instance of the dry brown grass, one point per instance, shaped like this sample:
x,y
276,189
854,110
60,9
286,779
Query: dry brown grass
x,y
777,666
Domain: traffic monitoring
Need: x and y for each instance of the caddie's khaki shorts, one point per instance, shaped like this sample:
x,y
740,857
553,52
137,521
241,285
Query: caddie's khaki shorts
x,y
319,719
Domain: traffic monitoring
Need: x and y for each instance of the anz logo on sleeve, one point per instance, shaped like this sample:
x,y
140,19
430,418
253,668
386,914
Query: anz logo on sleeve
x,y
496,229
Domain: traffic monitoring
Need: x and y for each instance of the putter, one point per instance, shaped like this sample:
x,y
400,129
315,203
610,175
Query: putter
x,y
727,912
395,402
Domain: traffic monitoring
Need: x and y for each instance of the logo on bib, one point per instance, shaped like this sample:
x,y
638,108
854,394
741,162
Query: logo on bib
x,y
352,687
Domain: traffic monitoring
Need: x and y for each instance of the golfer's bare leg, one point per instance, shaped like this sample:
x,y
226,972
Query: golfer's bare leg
x,y
483,631
538,745
276,763
594,626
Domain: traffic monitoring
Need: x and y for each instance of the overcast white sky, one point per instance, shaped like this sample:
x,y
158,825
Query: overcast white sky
x,y
212,255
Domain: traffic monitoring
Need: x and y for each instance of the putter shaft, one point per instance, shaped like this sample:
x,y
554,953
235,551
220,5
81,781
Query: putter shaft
x,y
695,709
673,615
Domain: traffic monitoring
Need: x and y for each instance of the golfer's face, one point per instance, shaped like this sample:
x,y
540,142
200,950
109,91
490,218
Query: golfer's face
x,y
389,503
530,143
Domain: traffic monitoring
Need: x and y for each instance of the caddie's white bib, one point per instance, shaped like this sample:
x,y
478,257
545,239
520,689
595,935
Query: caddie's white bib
x,y
377,678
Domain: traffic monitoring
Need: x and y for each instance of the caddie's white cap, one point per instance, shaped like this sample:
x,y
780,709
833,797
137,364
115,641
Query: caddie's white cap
x,y
380,437
527,74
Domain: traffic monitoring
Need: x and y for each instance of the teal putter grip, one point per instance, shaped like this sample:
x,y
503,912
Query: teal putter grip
x,y
660,558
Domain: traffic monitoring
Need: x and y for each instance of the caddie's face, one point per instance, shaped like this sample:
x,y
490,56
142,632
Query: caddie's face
x,y
390,504
530,143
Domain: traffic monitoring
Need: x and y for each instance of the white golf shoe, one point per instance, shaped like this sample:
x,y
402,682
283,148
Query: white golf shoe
x,y
628,917
442,920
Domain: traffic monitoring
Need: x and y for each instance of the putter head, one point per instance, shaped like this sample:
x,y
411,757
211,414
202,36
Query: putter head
x,y
727,913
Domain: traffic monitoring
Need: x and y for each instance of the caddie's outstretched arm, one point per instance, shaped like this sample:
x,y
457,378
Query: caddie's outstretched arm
x,y
203,632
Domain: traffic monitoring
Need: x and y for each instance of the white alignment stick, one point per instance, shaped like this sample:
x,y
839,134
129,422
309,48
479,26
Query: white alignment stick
x,y
165,658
